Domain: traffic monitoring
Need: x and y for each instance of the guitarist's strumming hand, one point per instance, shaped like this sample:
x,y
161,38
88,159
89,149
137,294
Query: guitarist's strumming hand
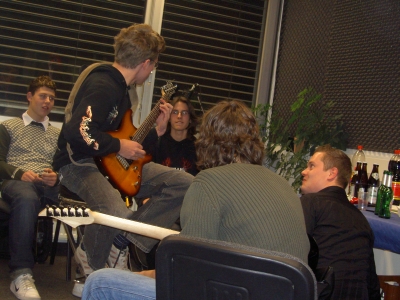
x,y
163,118
131,149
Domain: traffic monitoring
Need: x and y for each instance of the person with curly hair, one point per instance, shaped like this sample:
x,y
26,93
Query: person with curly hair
x,y
233,198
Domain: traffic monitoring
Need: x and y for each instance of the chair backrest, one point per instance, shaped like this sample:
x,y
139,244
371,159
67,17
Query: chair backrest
x,y
191,268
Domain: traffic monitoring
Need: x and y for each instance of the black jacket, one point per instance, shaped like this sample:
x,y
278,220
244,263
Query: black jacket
x,y
99,106
345,240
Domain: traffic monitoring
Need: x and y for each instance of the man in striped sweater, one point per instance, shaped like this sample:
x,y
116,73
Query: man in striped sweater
x,y
27,146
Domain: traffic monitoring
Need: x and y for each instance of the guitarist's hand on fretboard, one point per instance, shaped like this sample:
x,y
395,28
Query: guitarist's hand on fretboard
x,y
131,149
163,118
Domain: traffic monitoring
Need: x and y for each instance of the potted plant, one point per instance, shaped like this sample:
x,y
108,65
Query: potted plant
x,y
289,145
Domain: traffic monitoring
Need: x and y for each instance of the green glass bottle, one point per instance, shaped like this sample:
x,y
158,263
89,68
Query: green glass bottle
x,y
387,198
380,191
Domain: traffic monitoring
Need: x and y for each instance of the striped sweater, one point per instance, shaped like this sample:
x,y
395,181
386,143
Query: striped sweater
x,y
245,204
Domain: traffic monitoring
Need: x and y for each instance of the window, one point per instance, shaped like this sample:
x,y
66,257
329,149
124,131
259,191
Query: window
x,y
56,38
213,43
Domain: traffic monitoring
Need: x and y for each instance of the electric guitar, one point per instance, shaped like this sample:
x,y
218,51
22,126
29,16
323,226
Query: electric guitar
x,y
76,216
125,174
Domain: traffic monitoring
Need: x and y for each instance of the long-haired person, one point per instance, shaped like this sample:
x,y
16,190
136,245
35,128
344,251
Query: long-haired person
x,y
233,198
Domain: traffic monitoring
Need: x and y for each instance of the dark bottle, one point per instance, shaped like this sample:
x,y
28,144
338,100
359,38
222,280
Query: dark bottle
x,y
393,160
373,185
355,181
380,192
387,197
394,165
364,177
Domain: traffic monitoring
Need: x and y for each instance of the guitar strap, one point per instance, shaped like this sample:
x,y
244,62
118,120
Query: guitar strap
x,y
71,99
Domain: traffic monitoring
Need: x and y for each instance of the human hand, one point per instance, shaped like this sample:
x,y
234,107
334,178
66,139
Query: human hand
x,y
49,177
131,149
30,176
148,273
163,118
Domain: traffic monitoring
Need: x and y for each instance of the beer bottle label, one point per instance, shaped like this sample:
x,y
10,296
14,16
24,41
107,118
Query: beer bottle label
x,y
396,190
375,176
372,193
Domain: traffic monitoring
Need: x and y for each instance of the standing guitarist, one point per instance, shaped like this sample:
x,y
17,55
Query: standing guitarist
x,y
99,107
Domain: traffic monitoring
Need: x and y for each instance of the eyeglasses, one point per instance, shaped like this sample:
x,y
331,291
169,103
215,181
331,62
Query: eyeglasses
x,y
44,97
182,112
155,64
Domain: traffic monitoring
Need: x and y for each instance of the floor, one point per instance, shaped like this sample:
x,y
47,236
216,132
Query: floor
x,y
49,279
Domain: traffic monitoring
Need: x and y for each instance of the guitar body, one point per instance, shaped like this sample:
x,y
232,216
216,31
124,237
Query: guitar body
x,y
126,180
124,174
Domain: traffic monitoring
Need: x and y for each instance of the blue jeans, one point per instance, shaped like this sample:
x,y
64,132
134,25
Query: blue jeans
x,y
164,186
26,200
114,284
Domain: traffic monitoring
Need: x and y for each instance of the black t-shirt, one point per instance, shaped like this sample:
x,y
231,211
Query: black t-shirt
x,y
168,152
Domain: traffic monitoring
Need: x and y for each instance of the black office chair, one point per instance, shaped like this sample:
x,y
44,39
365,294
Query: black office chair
x,y
192,268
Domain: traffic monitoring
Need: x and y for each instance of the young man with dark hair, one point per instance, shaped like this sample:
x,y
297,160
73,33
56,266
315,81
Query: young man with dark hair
x,y
343,235
27,146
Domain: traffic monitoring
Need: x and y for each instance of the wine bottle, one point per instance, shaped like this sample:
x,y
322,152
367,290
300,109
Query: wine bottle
x,y
394,165
380,192
373,185
355,180
387,197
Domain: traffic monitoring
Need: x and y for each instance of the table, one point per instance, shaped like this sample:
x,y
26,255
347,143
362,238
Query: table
x,y
387,242
386,231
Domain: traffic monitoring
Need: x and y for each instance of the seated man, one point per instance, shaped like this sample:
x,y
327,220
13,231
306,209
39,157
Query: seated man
x,y
27,146
100,104
234,198
175,149
343,235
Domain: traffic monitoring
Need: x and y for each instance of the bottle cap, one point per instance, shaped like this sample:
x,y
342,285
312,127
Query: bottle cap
x,y
359,147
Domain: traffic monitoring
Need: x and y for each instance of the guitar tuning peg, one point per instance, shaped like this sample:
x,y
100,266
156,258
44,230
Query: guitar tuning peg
x,y
85,212
49,211
56,211
64,211
71,211
78,211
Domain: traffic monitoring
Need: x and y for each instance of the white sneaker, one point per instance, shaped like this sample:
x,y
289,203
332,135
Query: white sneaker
x,y
81,259
78,289
118,259
24,288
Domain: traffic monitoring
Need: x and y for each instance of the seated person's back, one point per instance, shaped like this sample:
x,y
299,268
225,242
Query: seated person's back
x,y
343,234
246,204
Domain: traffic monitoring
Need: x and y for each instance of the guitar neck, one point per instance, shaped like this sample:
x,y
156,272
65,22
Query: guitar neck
x,y
148,123
77,216
132,226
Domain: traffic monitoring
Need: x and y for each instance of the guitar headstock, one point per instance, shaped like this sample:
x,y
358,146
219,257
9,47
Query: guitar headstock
x,y
73,216
168,90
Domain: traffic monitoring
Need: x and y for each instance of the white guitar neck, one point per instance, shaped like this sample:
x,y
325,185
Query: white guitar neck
x,y
132,226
